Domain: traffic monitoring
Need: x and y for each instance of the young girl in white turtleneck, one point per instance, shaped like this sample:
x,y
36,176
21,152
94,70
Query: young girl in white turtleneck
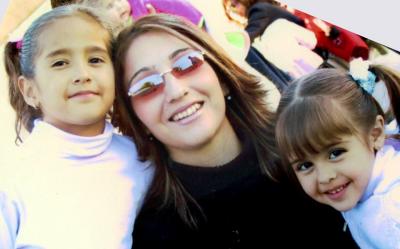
x,y
75,184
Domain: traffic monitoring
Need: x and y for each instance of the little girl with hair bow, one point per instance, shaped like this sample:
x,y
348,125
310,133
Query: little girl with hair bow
x,y
331,135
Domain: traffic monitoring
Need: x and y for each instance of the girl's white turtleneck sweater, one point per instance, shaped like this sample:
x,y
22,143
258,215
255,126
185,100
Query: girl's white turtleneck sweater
x,y
375,221
72,192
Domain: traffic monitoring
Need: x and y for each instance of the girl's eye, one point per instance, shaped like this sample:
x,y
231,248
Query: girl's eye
x,y
96,60
304,166
59,64
334,154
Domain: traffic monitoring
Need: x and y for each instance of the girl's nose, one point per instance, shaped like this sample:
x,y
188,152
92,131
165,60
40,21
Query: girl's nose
x,y
82,75
326,174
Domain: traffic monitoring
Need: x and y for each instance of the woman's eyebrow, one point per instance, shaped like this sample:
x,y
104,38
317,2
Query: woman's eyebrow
x,y
143,69
176,52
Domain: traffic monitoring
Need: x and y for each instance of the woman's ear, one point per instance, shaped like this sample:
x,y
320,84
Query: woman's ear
x,y
377,134
28,91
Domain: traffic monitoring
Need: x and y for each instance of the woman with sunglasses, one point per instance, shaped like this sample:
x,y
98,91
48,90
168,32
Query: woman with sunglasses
x,y
203,122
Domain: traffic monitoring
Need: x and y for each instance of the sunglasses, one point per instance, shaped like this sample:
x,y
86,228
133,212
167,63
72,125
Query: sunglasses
x,y
184,65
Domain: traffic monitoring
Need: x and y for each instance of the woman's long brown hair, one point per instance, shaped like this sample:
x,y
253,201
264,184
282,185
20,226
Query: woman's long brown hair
x,y
246,111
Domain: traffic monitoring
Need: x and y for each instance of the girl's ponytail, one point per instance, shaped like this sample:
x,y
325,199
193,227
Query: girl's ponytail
x,y
391,79
13,69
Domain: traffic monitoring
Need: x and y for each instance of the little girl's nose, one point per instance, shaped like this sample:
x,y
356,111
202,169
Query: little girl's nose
x,y
82,75
326,175
81,80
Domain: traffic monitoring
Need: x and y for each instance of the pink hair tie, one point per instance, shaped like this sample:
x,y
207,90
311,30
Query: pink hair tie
x,y
18,44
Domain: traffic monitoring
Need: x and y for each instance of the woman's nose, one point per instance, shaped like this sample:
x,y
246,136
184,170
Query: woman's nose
x,y
174,89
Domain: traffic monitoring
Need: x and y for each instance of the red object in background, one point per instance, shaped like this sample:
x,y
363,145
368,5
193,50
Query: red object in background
x,y
338,41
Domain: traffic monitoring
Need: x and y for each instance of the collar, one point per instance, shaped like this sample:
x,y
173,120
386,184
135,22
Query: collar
x,y
53,141
379,180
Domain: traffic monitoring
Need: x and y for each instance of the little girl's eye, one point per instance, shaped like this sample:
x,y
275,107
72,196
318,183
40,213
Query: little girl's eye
x,y
96,60
304,166
59,64
334,154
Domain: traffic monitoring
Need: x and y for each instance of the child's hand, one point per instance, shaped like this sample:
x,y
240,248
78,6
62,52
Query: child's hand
x,y
289,47
151,9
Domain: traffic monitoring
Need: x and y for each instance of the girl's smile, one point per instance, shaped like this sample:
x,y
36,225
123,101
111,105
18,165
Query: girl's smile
x,y
74,81
337,193
338,175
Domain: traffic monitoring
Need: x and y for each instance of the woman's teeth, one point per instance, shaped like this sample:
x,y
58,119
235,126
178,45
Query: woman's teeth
x,y
186,113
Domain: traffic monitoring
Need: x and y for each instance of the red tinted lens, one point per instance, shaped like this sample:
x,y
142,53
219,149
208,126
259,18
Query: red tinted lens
x,y
146,85
187,63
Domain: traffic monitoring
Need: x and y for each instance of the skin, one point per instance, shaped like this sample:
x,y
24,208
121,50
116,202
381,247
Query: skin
x,y
237,11
199,138
238,8
74,77
339,174
118,10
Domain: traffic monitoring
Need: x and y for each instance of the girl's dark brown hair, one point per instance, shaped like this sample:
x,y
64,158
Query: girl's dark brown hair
x,y
25,114
20,59
247,111
318,108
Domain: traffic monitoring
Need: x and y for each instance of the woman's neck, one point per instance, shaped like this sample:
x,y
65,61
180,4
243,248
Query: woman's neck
x,y
221,149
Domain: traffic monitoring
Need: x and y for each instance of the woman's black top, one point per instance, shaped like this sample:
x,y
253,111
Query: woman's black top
x,y
243,209
260,15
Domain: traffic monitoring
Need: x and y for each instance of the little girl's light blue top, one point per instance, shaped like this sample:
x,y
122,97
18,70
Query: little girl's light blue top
x,y
375,221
